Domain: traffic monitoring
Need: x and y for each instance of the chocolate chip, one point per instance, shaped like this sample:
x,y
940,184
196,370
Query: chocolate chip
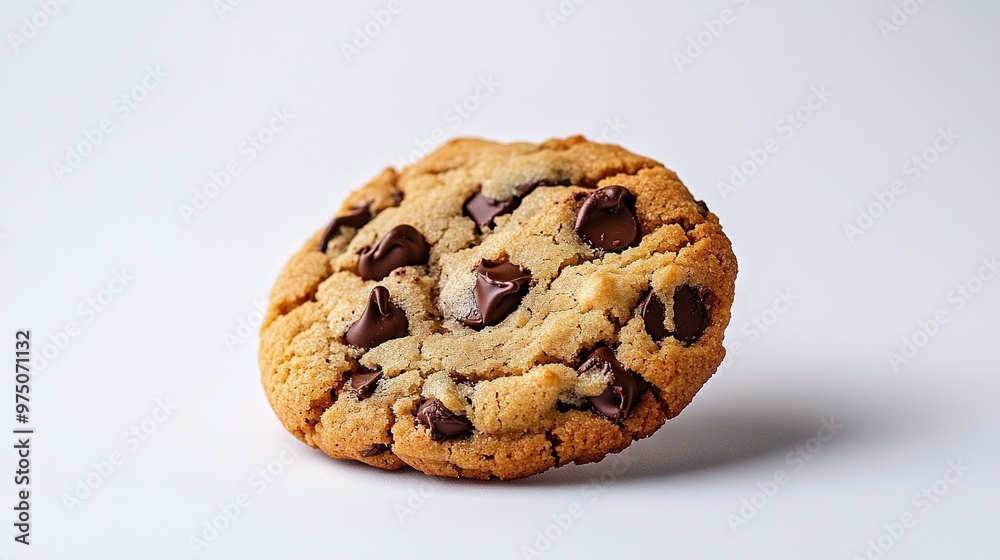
x,y
653,314
400,246
690,314
355,218
381,320
482,209
607,219
500,286
397,197
702,207
626,387
375,449
364,383
443,423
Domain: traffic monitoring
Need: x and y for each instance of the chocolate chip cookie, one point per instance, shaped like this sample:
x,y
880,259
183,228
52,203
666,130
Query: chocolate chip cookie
x,y
495,310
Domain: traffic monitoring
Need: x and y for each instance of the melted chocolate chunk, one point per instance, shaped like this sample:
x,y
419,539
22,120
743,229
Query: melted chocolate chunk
x,y
381,320
443,423
654,314
702,207
400,246
364,383
625,390
500,286
483,209
607,219
375,449
355,218
690,314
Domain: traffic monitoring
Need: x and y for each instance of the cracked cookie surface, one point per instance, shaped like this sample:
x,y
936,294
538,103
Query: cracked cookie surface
x,y
495,310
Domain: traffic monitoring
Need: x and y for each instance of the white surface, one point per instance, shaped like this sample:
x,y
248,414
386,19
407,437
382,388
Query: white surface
x,y
669,496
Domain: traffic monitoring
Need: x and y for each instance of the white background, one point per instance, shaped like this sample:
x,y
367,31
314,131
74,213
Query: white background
x,y
678,494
